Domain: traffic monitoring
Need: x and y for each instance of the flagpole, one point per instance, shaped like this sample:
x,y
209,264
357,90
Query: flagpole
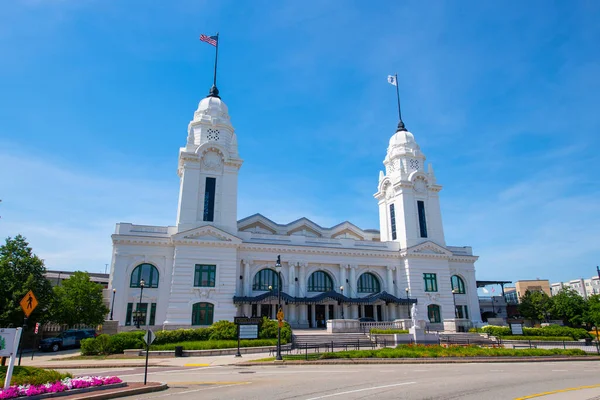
x,y
401,126
398,96
216,59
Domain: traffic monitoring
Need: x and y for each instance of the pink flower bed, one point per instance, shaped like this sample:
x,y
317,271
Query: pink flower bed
x,y
58,386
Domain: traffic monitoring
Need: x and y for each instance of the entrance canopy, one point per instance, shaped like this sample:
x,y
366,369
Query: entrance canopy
x,y
335,296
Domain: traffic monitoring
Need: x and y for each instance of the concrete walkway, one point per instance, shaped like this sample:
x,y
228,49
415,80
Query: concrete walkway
x,y
59,361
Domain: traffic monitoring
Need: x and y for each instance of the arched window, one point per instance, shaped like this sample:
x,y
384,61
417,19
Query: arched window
x,y
148,273
202,314
368,283
320,281
458,285
433,312
265,278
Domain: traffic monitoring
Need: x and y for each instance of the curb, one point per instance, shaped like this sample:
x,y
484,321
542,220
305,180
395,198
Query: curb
x,y
447,360
84,366
150,388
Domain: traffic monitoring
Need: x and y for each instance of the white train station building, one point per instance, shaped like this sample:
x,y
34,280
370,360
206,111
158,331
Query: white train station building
x,y
210,266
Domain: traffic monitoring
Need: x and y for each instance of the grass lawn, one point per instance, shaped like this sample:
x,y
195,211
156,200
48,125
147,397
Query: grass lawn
x,y
32,375
215,344
420,351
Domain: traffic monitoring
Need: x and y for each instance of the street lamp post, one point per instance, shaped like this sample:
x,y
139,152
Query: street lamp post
x,y
454,292
342,305
407,303
279,311
139,308
112,307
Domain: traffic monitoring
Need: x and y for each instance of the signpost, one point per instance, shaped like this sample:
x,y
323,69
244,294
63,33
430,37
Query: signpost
x,y
148,338
516,327
36,331
28,304
9,343
247,328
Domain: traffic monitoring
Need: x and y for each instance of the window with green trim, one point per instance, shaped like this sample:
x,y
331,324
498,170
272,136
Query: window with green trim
x,y
458,285
430,282
202,314
205,275
320,281
142,313
433,313
368,283
148,273
152,314
264,279
129,314
462,312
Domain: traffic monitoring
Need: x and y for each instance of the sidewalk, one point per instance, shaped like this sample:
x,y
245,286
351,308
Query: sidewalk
x,y
57,361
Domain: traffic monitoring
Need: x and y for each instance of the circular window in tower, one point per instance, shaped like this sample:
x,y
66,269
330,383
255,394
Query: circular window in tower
x,y
212,134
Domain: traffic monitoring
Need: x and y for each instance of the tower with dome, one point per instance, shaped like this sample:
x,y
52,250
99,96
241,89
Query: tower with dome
x,y
212,266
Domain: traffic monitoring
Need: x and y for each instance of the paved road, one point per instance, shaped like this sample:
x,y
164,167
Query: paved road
x,y
381,382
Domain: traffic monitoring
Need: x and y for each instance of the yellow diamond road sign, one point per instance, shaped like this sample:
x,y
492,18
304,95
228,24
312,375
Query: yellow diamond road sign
x,y
28,303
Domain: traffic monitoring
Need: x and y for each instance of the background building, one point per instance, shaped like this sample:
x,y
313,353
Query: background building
x,y
585,287
533,285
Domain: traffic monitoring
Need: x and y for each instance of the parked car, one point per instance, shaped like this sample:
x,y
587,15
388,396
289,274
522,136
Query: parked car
x,y
68,338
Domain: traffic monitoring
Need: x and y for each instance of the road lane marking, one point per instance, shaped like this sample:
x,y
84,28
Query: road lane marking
x,y
210,383
361,390
531,396
196,365
169,372
198,390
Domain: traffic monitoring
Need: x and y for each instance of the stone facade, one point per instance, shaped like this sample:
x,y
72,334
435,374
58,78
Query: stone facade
x,y
361,273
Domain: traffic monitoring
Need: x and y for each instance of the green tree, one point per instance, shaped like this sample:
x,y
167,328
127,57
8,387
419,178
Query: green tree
x,y
569,306
535,306
78,300
20,272
592,312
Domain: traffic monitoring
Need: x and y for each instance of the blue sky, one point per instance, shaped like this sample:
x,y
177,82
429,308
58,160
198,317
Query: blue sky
x,y
503,98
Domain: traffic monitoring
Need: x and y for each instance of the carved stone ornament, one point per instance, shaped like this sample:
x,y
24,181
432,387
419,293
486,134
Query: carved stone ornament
x,y
420,186
212,161
389,192
433,296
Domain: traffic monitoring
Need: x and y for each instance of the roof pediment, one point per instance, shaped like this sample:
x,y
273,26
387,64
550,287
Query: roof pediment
x,y
206,233
428,249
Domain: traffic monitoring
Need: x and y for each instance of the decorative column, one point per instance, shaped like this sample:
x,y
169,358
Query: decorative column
x,y
390,279
352,290
302,293
247,283
292,279
343,279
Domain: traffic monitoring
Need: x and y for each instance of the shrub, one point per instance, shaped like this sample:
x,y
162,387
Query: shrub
x,y
268,330
182,335
375,331
496,330
215,344
32,375
223,330
89,347
552,330
127,340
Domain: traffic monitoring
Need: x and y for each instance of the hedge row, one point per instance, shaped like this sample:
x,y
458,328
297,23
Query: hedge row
x,y
221,330
552,330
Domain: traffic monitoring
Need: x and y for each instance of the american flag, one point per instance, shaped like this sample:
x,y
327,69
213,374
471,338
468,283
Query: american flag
x,y
209,39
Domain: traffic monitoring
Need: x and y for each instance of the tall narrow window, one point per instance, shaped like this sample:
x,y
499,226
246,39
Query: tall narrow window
x,y
430,282
393,221
433,312
422,220
202,314
152,314
204,275
129,313
209,199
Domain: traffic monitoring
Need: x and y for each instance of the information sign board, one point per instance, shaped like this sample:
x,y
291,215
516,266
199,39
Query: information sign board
x,y
9,343
246,321
516,329
248,331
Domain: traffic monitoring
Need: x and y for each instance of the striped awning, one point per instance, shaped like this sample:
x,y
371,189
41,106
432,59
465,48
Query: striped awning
x,y
321,297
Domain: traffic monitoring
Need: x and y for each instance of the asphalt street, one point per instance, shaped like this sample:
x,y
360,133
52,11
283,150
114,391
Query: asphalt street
x,y
556,380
